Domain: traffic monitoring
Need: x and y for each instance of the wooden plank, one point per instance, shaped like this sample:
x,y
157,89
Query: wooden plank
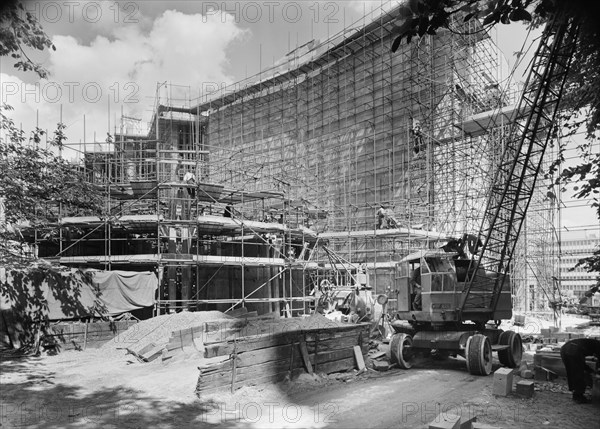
x,y
255,357
79,338
305,358
333,344
331,356
221,373
360,361
79,328
220,336
247,343
224,324
274,375
152,354
331,334
337,365
248,373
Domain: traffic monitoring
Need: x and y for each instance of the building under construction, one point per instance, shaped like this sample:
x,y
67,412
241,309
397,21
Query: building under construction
x,y
250,195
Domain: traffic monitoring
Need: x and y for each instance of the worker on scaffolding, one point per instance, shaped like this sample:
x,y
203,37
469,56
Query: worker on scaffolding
x,y
190,179
381,217
417,135
573,354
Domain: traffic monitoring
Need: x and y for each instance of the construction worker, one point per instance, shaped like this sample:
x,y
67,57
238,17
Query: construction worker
x,y
381,217
190,179
415,281
418,136
573,355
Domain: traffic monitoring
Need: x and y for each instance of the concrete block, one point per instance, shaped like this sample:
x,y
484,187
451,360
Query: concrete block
x,y
525,388
503,379
381,365
445,421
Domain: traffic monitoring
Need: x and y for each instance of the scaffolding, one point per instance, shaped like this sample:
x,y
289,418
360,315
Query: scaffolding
x,y
304,154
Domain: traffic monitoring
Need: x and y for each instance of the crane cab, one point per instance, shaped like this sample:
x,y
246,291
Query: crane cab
x,y
432,275
441,282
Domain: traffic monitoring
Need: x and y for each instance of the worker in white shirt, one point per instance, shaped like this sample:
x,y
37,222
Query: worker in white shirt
x,y
190,179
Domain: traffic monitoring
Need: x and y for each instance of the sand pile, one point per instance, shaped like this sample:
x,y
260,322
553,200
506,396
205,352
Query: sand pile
x,y
158,329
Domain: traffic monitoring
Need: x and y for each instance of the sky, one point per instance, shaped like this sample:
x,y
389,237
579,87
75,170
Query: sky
x,y
111,57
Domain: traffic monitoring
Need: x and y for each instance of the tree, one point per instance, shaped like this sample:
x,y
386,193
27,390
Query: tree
x,y
34,180
19,31
35,183
581,100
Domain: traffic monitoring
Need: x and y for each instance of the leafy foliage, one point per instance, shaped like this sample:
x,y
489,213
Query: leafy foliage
x,y
19,30
421,17
35,181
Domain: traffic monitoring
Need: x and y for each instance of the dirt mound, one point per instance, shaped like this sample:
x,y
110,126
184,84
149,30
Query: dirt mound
x,y
158,329
318,321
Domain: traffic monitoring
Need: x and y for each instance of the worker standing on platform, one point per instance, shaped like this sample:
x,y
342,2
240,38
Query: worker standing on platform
x,y
190,179
418,136
381,217
573,355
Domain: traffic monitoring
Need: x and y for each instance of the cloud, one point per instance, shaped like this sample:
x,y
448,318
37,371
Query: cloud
x,y
120,68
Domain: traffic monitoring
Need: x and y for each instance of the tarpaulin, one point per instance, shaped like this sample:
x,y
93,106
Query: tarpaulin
x,y
72,293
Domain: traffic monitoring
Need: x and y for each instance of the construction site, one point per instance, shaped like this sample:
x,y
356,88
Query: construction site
x,y
302,157
283,218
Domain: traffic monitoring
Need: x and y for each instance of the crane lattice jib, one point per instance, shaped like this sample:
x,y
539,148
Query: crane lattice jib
x,y
520,164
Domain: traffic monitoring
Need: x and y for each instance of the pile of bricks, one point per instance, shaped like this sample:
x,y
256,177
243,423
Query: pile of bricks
x,y
504,382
